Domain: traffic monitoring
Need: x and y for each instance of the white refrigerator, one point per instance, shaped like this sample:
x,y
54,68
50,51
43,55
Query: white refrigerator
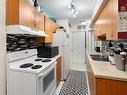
x,y
62,40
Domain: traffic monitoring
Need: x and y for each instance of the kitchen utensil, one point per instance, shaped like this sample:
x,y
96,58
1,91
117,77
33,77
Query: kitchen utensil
x,y
110,43
119,63
97,49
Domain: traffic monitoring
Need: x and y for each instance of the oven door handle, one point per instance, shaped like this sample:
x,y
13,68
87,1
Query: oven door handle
x,y
43,74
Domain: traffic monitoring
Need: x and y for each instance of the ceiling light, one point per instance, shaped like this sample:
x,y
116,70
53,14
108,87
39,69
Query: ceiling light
x,y
83,23
72,10
69,6
74,16
35,3
76,12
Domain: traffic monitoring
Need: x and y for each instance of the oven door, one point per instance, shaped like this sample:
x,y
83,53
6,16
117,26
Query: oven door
x,y
47,81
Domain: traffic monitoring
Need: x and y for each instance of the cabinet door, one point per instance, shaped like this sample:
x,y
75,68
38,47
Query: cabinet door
x,y
115,19
91,78
48,30
58,70
107,21
39,21
12,12
20,12
26,13
55,26
104,21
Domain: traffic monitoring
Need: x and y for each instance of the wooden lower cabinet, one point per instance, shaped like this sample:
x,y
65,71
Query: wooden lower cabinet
x,y
103,86
91,79
58,70
110,87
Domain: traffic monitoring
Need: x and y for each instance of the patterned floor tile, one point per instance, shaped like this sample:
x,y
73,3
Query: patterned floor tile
x,y
76,84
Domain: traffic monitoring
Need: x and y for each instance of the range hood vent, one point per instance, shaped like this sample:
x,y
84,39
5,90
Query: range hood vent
x,y
23,30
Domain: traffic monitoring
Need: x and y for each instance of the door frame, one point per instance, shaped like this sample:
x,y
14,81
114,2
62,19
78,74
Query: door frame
x,y
3,64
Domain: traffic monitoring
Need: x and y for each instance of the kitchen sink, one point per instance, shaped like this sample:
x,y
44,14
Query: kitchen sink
x,y
100,57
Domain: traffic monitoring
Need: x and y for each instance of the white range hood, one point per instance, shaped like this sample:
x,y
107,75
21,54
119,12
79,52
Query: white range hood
x,y
23,30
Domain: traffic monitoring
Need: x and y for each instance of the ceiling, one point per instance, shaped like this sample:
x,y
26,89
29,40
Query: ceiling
x,y
59,8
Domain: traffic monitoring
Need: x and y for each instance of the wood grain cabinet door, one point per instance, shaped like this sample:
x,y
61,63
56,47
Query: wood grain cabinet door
x,y
58,70
40,21
20,12
91,78
107,21
48,30
26,13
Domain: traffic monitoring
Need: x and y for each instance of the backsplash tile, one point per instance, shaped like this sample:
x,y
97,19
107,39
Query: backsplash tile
x,y
17,43
109,50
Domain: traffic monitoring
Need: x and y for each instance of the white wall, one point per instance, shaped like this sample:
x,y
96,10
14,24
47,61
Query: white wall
x,y
2,48
90,43
64,23
78,47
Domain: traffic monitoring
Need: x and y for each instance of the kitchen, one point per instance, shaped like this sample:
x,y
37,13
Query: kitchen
x,y
74,48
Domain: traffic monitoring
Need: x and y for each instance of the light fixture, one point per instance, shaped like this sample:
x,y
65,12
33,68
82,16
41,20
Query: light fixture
x,y
82,22
72,8
74,16
76,12
69,6
35,3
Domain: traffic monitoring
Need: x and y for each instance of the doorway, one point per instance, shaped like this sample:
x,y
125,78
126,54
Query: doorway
x,y
78,50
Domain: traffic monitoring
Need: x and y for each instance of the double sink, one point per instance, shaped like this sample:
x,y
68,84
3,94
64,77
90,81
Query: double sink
x,y
99,57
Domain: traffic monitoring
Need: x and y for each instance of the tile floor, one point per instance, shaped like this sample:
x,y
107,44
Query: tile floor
x,y
77,67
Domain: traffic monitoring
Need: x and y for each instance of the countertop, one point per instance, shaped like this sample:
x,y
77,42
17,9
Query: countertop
x,y
56,57
104,69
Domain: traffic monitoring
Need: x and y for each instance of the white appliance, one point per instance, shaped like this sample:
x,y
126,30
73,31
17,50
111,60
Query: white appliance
x,y
62,40
30,75
23,30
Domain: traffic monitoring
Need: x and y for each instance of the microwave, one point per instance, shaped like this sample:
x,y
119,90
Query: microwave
x,y
47,52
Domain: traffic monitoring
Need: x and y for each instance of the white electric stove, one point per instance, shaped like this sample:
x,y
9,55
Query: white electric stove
x,y
30,75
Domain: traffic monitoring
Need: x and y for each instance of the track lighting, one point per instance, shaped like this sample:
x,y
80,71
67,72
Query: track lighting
x,y
35,3
76,12
69,6
74,16
72,8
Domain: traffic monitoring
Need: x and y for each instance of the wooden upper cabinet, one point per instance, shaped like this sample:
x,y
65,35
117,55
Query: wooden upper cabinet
x,y
49,28
48,31
106,25
22,12
54,26
39,21
115,19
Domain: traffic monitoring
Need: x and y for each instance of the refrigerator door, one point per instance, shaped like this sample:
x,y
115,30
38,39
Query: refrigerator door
x,y
61,40
65,62
58,40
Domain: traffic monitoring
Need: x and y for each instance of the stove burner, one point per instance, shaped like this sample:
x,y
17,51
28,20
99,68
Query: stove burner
x,y
36,67
26,65
46,60
38,59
